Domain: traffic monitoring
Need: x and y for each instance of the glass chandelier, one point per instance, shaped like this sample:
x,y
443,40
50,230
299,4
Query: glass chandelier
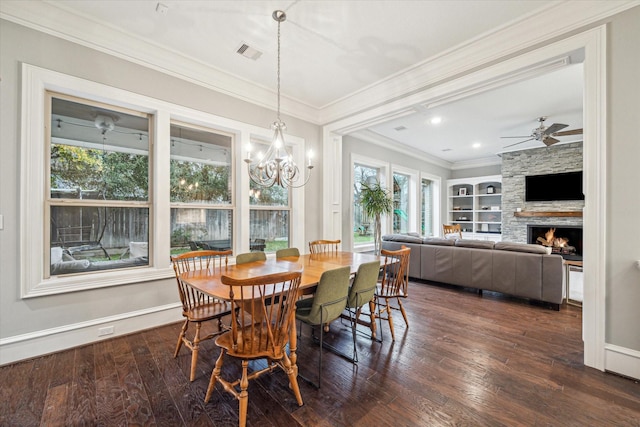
x,y
276,166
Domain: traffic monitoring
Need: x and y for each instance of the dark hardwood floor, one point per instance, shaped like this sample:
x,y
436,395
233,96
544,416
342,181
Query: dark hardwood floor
x,y
466,359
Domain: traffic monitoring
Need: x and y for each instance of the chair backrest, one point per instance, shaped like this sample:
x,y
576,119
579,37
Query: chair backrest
x,y
330,298
197,260
281,253
395,273
364,285
265,315
250,257
451,229
323,246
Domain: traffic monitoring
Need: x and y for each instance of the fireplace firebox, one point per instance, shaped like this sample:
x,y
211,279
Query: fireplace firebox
x,y
565,240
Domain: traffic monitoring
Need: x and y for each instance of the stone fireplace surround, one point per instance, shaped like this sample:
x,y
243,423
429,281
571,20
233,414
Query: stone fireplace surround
x,y
515,166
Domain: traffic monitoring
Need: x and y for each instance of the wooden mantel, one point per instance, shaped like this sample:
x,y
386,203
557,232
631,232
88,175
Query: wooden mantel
x,y
524,214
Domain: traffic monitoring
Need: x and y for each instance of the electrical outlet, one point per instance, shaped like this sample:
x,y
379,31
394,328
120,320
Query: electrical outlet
x,y
107,330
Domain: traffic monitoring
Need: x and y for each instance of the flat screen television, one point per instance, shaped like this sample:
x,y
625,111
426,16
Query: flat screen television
x,y
555,186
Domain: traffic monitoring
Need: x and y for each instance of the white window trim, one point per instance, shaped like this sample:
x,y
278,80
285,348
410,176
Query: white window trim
x,y
437,202
414,195
35,82
384,178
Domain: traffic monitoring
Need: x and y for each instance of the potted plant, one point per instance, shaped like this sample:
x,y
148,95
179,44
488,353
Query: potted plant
x,y
375,201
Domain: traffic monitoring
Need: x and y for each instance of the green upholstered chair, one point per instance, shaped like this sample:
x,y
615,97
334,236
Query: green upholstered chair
x,y
362,292
250,257
327,304
281,253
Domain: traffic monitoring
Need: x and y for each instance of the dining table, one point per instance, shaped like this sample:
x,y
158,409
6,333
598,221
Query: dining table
x,y
310,265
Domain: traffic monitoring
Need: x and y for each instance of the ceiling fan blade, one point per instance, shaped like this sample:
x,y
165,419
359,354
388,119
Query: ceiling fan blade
x,y
524,136
550,141
554,128
568,132
530,139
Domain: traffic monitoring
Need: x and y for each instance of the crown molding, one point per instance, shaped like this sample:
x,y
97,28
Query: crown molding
x,y
47,17
383,141
516,36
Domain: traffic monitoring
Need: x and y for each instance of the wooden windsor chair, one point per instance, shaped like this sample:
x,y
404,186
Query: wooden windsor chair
x,y
198,307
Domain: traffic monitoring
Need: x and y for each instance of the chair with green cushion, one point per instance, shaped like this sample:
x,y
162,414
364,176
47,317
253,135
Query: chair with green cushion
x,y
250,257
362,292
281,253
327,304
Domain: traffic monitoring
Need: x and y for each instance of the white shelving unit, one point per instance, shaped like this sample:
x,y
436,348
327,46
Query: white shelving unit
x,y
476,204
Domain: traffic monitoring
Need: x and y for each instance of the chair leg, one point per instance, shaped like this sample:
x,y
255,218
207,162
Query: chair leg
x,y
194,351
181,337
293,378
404,314
354,324
243,397
390,319
372,315
214,376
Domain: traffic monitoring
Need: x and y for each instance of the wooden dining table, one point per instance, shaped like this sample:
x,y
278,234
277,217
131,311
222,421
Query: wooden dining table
x,y
311,265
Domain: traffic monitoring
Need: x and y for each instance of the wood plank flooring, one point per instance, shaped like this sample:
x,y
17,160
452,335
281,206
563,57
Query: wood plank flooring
x,y
466,359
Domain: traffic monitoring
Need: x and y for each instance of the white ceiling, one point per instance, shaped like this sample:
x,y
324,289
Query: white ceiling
x,y
334,49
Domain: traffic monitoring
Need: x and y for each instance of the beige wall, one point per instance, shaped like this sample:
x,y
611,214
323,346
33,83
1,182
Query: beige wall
x,y
19,44
623,181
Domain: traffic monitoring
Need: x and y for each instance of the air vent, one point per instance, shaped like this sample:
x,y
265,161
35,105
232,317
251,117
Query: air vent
x,y
447,149
400,128
249,52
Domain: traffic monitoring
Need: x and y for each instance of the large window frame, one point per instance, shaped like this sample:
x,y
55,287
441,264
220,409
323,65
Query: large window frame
x,y
36,82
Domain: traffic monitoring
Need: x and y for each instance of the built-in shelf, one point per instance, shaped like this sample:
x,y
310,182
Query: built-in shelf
x,y
547,214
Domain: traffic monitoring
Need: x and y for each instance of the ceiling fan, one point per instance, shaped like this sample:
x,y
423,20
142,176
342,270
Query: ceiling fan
x,y
546,134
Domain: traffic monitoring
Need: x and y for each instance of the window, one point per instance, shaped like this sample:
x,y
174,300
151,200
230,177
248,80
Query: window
x,y
98,186
401,203
427,208
269,214
114,181
363,226
200,189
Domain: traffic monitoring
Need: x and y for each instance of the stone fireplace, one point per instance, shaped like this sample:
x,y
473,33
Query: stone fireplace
x,y
517,214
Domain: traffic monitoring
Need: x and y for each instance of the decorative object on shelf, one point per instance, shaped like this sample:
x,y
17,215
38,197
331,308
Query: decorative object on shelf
x,y
276,166
462,192
375,201
491,189
495,208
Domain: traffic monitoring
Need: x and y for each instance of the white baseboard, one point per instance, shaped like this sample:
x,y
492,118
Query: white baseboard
x,y
621,360
33,344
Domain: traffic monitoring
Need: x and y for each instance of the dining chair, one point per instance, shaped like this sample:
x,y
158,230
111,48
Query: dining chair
x,y
451,229
326,305
361,292
323,246
260,329
393,286
198,307
250,257
281,253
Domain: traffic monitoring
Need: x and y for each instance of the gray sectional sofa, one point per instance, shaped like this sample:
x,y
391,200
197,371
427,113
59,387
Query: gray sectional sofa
x,y
516,269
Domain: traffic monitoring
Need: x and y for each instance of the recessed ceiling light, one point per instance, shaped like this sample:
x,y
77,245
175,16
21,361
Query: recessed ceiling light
x,y
435,120
476,145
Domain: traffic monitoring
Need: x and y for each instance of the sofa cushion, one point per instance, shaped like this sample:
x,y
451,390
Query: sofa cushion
x,y
477,244
402,238
438,241
522,247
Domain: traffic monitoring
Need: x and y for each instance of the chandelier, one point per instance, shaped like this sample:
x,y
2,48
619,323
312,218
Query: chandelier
x,y
276,166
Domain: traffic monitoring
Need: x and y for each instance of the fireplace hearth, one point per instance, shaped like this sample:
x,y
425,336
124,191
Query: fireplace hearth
x,y
564,240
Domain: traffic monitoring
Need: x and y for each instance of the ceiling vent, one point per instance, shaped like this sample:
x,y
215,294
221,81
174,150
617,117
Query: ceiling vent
x,y
248,52
400,128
